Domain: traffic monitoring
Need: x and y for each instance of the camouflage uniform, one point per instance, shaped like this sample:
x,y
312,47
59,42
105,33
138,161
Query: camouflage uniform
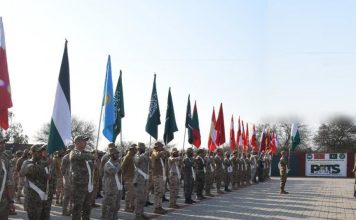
x,y
283,172
219,172
82,182
51,184
174,179
235,171
209,175
200,175
36,176
248,170
7,181
227,172
57,160
65,170
15,173
112,189
189,177
158,177
96,180
128,171
21,178
140,182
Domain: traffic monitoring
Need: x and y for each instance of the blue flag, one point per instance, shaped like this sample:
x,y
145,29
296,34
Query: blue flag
x,y
108,103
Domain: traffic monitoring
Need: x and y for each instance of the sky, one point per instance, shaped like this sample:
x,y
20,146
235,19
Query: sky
x,y
261,59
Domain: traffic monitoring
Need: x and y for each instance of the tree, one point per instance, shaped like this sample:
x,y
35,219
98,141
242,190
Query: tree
x,y
15,134
79,127
336,135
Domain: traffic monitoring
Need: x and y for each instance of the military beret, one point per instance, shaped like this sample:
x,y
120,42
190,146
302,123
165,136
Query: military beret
x,y
140,145
81,137
158,144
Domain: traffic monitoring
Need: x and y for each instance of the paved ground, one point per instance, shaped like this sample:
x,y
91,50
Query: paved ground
x,y
309,198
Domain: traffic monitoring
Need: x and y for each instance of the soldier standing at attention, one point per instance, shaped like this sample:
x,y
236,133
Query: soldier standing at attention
x,y
128,173
141,180
57,161
189,176
227,171
158,177
209,175
14,171
81,163
36,184
65,171
21,178
219,169
6,185
283,171
235,168
112,186
174,178
201,170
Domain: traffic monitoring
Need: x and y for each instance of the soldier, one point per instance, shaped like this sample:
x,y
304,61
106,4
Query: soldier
x,y
6,185
36,187
189,176
283,171
248,169
15,173
128,173
261,167
200,175
219,169
65,171
57,161
235,170
209,175
174,178
158,177
254,167
105,159
21,178
112,186
149,187
244,169
227,171
141,180
96,178
81,179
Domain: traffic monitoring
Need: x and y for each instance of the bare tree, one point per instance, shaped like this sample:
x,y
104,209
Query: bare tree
x,y
338,134
15,134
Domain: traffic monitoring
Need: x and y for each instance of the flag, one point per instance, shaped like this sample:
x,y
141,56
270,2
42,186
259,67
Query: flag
x,y
243,137
60,127
273,143
188,122
153,119
295,137
247,136
263,141
108,103
232,134
5,89
170,126
212,133
220,127
254,139
239,136
195,127
119,107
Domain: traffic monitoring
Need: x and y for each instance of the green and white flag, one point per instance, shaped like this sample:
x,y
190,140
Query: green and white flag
x,y
295,137
153,119
60,131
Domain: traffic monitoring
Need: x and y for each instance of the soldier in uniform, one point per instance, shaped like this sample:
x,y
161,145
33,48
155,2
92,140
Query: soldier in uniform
x,y
158,177
254,164
36,186
189,176
96,178
227,171
219,169
200,175
6,185
235,168
209,175
66,173
174,177
21,178
112,186
105,159
283,171
81,179
248,169
141,180
128,173
57,161
15,173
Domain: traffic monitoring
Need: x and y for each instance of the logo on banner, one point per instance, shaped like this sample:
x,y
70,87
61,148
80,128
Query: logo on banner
x,y
333,156
342,156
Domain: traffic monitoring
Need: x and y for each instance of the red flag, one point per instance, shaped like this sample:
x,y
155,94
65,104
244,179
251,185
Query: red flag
x,y
244,143
195,128
247,137
5,90
212,133
254,139
220,128
273,144
239,136
263,141
232,135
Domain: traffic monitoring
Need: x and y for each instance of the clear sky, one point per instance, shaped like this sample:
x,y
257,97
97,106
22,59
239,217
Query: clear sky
x,y
259,58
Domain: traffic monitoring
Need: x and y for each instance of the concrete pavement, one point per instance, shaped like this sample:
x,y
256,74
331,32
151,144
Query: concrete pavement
x,y
309,198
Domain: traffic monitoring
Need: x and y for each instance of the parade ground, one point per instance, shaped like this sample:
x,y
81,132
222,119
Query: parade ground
x,y
308,198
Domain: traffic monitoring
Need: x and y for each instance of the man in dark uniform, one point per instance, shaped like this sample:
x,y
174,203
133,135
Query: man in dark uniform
x,y
201,170
189,176
283,171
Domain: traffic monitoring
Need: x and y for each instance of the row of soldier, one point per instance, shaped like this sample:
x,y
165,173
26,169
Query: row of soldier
x,y
135,174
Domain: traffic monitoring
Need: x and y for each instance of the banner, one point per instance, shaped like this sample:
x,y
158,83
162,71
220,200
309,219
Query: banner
x,y
328,165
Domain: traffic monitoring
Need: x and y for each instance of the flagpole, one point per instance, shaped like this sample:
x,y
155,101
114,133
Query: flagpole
x,y
185,131
97,139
